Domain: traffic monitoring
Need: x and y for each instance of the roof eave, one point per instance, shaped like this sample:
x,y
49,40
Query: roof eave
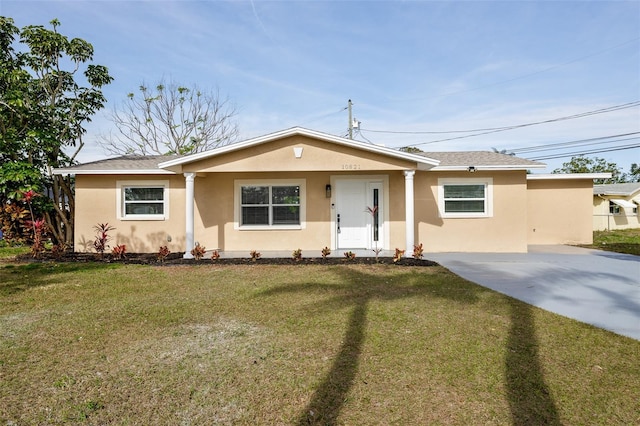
x,y
68,172
558,176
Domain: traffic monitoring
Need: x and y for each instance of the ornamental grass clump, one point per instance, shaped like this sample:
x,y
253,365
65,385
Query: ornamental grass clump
x,y
398,255
254,255
163,253
325,252
198,251
417,251
349,255
118,252
297,255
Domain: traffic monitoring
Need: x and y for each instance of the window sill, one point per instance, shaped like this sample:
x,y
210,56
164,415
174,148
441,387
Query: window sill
x,y
143,218
269,228
464,215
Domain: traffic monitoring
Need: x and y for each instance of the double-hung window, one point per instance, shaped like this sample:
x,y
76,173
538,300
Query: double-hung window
x,y
270,204
465,198
143,200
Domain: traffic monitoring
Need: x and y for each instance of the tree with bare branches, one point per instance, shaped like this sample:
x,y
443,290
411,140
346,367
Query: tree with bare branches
x,y
171,119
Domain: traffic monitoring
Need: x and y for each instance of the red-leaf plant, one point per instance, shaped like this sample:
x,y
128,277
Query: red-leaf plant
x,y
102,237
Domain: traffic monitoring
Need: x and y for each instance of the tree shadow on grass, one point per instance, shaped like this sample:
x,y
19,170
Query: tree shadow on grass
x,y
529,398
22,277
357,290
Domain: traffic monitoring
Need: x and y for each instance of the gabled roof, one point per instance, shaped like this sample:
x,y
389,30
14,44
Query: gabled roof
x,y
127,164
623,189
423,161
480,160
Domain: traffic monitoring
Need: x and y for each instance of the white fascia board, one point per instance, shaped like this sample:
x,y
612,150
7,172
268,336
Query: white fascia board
x,y
303,132
480,168
65,172
559,176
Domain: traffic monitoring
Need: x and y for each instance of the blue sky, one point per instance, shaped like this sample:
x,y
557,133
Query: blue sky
x,y
408,66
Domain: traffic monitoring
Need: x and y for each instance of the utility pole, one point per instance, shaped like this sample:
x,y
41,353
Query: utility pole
x,y
350,120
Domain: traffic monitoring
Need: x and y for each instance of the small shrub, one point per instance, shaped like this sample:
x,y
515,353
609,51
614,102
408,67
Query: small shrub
x,y
163,253
377,252
118,252
417,251
102,237
198,251
57,250
215,255
326,252
349,255
255,255
297,255
398,255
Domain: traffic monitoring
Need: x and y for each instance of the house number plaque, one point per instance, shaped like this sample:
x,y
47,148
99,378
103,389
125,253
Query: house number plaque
x,y
351,167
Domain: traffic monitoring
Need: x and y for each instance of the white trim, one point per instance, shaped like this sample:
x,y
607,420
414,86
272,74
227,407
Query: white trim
x,y
488,197
425,162
237,201
122,184
481,167
189,212
409,212
558,176
333,181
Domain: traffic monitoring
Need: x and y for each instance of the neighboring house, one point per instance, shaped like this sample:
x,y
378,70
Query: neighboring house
x,y
300,188
615,206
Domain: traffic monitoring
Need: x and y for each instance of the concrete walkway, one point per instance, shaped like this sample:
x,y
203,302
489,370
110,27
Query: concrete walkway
x,y
596,287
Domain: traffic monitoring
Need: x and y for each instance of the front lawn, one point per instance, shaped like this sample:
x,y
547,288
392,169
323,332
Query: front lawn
x,y
619,240
295,345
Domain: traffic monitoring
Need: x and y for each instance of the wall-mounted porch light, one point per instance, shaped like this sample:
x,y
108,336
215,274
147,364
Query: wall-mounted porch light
x,y
327,191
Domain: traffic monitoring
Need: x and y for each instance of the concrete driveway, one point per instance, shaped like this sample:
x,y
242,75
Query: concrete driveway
x,y
596,287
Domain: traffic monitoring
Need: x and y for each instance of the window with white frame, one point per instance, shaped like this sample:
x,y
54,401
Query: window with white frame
x,y
276,204
465,198
614,208
143,200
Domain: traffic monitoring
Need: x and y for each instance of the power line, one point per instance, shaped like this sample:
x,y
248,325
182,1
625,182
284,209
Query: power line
x,y
576,143
519,126
578,153
491,129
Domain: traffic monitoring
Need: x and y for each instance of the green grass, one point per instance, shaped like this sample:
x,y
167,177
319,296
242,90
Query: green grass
x,y
10,252
260,344
620,241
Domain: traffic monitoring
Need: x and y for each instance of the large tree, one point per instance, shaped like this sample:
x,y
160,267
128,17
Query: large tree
x,y
171,119
582,164
49,90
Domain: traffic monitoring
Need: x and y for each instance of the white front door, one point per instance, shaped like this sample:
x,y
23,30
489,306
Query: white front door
x,y
359,214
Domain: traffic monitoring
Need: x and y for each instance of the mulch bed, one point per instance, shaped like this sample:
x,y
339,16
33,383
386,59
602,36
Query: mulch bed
x,y
176,259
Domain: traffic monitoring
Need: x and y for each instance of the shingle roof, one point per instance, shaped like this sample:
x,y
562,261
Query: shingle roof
x,y
625,189
126,163
464,159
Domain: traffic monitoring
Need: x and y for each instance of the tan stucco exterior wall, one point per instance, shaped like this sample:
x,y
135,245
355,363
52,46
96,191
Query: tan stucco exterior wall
x,y
504,231
559,211
215,213
279,156
96,200
605,221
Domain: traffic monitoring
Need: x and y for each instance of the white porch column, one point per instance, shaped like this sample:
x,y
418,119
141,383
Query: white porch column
x,y
409,217
189,213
